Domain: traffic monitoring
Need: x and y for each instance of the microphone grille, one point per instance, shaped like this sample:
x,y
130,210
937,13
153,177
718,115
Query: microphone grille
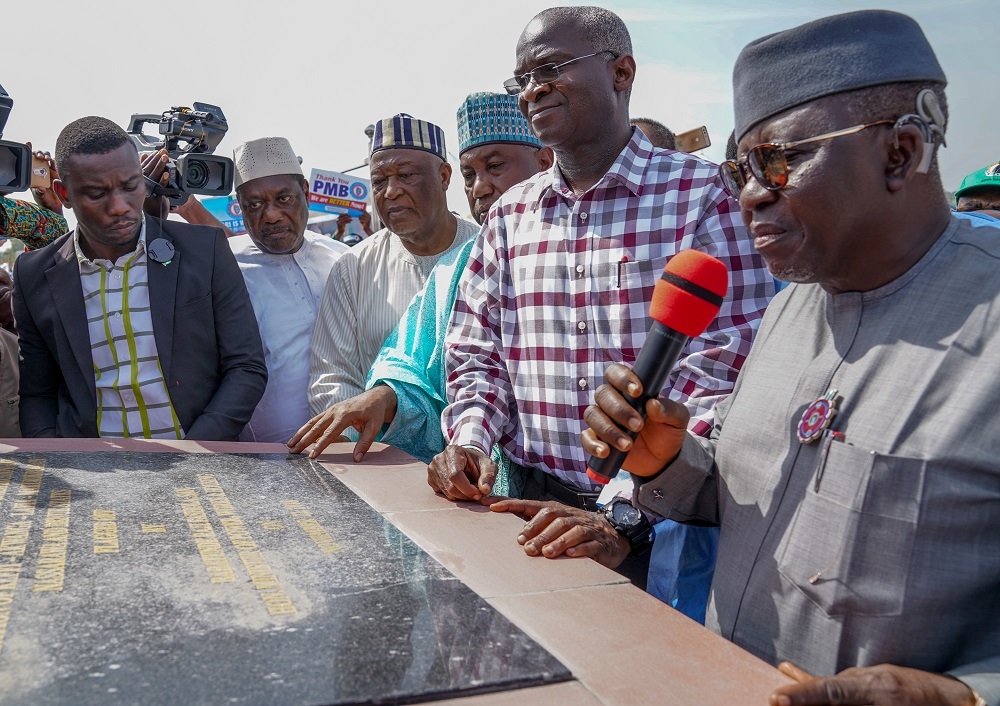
x,y
689,293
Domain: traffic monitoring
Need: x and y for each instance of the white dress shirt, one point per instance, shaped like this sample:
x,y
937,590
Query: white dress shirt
x,y
286,291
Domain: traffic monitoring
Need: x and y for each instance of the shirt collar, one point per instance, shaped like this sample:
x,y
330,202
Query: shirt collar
x,y
83,260
628,169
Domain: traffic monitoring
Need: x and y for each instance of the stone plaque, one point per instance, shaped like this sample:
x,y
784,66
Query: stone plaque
x,y
170,578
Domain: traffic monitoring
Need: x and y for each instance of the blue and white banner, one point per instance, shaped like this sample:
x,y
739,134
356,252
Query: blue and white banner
x,y
227,210
333,192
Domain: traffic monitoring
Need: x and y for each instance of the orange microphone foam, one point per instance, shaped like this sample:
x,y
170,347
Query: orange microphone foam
x,y
690,291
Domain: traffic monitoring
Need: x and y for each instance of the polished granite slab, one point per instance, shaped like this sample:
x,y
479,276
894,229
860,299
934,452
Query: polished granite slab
x,y
229,578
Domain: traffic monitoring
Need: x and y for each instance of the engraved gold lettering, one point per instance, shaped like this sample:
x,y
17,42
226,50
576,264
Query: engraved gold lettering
x,y
105,532
275,599
14,541
50,572
320,537
6,471
216,564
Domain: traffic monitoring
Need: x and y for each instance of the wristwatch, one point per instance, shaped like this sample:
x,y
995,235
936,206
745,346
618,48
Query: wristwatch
x,y
631,524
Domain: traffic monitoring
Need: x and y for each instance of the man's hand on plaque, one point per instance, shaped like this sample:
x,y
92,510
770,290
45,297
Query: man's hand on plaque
x,y
366,412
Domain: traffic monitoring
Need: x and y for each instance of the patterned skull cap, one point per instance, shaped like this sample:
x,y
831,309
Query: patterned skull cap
x,y
265,157
485,118
404,131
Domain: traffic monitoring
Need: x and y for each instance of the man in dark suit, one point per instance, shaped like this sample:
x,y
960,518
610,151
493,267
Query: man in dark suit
x,y
129,325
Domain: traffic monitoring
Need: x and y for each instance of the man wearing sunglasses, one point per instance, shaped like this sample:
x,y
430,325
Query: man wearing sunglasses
x,y
559,283
855,469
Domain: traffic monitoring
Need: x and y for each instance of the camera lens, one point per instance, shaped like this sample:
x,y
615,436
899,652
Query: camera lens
x,y
8,167
196,176
205,174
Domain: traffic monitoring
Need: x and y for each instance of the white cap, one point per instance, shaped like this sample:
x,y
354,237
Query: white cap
x,y
264,157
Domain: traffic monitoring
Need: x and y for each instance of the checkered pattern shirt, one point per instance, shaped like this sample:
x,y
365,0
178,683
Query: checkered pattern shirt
x,y
558,287
132,397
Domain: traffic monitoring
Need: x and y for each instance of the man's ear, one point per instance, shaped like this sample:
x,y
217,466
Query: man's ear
x,y
445,176
60,190
624,73
545,158
905,145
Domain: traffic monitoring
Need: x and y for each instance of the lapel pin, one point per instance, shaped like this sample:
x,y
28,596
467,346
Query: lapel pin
x,y
817,417
160,250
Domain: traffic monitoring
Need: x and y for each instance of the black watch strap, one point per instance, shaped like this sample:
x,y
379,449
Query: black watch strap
x,y
639,533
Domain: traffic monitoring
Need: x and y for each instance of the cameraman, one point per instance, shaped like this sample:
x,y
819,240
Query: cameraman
x,y
34,225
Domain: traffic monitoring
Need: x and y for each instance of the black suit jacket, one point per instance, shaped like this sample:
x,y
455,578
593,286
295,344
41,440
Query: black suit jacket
x,y
203,323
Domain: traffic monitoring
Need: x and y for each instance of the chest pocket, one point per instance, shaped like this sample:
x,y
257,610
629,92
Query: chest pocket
x,y
623,292
849,545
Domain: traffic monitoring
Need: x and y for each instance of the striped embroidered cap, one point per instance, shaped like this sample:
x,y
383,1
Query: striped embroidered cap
x,y
485,118
404,131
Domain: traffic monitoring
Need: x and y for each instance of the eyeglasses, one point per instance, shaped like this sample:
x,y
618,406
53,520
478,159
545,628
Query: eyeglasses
x,y
768,164
546,73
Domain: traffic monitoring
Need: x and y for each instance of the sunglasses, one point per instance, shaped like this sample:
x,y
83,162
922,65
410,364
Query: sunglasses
x,y
767,162
546,73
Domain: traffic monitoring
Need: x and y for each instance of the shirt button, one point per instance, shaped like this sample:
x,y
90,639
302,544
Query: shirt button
x,y
583,216
580,269
583,383
582,325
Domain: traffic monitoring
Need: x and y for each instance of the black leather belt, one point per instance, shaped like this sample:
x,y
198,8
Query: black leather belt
x,y
564,493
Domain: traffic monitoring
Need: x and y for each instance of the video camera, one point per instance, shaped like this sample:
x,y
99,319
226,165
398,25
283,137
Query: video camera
x,y
15,158
189,135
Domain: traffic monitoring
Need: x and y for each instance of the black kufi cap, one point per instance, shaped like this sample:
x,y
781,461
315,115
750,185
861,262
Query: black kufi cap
x,y
831,55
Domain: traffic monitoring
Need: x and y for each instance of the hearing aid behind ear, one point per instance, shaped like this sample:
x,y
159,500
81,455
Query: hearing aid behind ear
x,y
930,119
929,109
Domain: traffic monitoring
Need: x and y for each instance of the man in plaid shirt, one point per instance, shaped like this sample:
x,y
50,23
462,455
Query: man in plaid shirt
x,y
559,284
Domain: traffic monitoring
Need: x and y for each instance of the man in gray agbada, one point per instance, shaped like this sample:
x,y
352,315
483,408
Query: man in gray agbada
x,y
855,469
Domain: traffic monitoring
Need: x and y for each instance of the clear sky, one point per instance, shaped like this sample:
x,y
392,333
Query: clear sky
x,y
319,72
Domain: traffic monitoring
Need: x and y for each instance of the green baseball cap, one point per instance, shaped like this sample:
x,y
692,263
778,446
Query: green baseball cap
x,y
987,176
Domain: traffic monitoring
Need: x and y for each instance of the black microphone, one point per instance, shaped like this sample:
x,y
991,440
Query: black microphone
x,y
685,301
